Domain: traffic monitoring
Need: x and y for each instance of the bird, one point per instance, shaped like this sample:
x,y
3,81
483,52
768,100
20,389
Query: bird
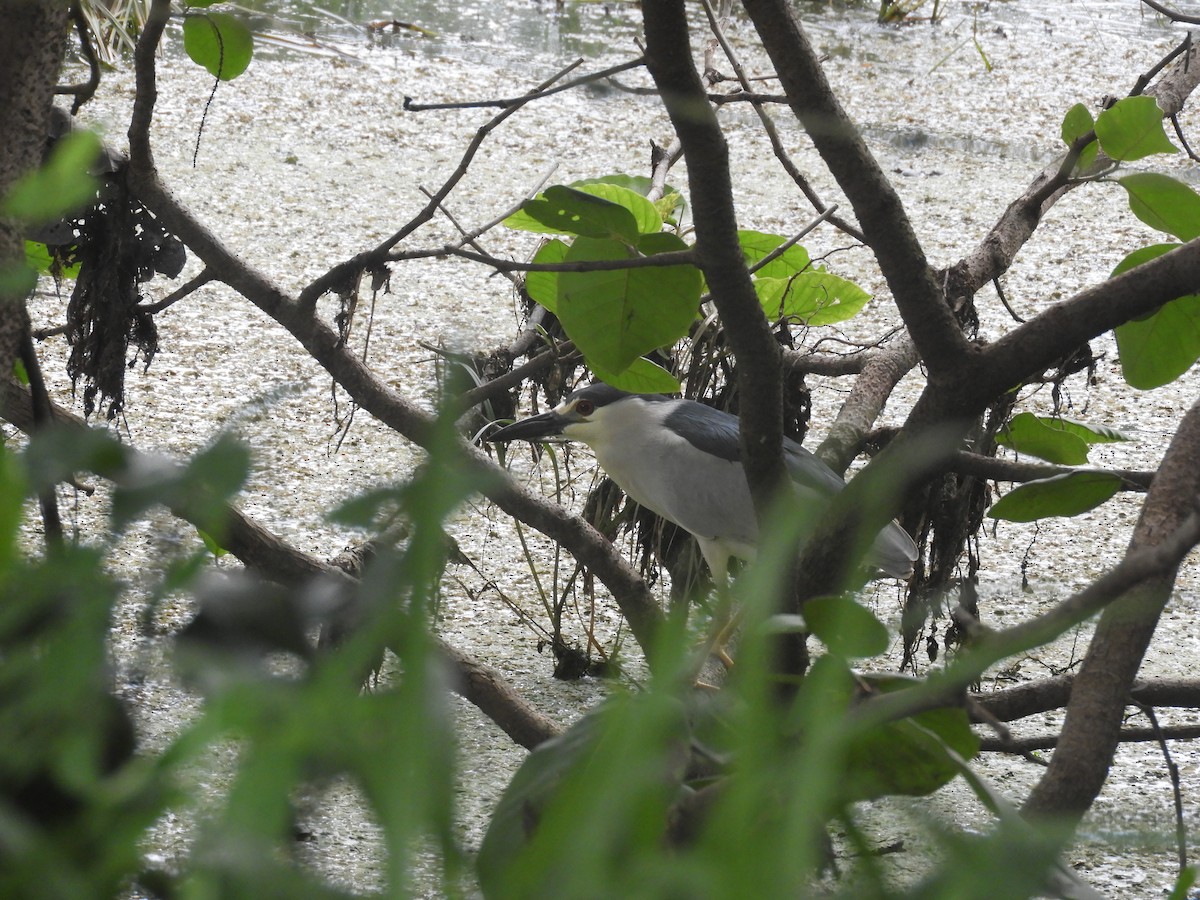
x,y
683,460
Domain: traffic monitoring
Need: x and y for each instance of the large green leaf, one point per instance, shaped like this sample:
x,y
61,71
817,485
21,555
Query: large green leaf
x,y
1044,438
845,627
756,244
1164,203
593,210
1132,129
543,286
220,42
615,316
813,297
60,187
1068,494
1156,349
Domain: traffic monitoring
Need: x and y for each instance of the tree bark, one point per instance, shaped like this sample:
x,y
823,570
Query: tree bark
x,y
32,41
1102,687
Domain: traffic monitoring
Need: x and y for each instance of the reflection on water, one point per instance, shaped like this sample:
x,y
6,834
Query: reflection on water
x,y
511,29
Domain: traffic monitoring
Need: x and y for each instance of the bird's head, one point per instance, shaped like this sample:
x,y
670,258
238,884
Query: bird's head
x,y
582,416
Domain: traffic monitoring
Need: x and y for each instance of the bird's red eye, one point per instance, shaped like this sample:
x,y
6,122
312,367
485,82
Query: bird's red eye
x,y
585,407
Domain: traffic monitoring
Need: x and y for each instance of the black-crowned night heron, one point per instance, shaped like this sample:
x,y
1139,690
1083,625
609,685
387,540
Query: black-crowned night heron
x,y
682,460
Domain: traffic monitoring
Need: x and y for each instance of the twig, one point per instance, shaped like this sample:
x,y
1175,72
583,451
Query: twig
x,y
1126,736
85,91
178,294
369,258
942,687
768,124
537,94
658,260
564,351
468,238
1171,14
1160,734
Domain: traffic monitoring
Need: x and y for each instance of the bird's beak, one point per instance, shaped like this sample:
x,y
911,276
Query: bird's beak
x,y
535,428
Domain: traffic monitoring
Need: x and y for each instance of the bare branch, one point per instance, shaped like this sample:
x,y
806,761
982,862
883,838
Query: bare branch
x,y
540,93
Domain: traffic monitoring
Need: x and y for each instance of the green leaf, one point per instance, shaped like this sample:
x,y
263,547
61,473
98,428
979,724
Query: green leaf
x,y
909,757
641,377
647,216
1068,494
62,186
1156,349
543,286
845,627
198,490
220,42
670,201
1078,122
757,244
19,372
38,258
1132,129
1045,439
589,212
1183,884
616,316
1164,203
1091,434
813,297
211,544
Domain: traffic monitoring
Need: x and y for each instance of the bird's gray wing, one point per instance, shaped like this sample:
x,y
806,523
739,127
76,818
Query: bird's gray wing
x,y
810,472
718,433
708,430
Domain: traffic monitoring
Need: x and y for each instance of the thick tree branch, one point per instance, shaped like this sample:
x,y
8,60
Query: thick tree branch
x,y
877,207
1103,683
867,399
669,59
1046,694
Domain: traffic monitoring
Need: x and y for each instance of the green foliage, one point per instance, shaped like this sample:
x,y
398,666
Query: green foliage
x,y
756,245
1077,123
59,188
1068,494
39,259
596,209
220,42
1055,439
1132,129
913,757
616,315
1164,203
845,627
1156,349
814,297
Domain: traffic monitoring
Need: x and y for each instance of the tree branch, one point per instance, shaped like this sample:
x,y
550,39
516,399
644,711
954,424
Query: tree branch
x,y
885,225
1102,686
